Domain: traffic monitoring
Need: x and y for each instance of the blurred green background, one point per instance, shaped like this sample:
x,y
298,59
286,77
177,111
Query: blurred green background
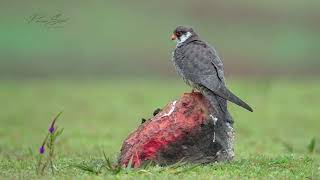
x,y
109,65
103,39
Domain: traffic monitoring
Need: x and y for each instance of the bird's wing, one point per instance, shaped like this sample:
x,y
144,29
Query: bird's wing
x,y
216,62
199,66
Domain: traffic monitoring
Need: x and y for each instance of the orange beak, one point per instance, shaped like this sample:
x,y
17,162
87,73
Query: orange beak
x,y
173,37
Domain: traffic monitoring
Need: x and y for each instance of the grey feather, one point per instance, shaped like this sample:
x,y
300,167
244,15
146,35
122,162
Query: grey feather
x,y
200,66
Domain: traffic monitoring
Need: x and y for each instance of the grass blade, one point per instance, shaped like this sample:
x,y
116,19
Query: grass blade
x,y
312,145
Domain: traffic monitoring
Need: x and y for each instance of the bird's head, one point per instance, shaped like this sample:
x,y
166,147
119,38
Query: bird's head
x,y
182,33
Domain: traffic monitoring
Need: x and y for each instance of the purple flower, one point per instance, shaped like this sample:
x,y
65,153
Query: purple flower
x,y
41,150
51,129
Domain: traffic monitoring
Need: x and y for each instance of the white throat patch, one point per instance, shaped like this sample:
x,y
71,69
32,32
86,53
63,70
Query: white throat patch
x,y
183,38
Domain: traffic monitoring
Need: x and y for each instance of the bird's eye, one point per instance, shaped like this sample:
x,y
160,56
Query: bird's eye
x,y
178,34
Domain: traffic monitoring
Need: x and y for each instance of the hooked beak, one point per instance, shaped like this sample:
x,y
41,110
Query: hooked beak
x,y
173,37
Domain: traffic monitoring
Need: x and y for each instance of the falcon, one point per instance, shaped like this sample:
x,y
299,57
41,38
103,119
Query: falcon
x,y
200,67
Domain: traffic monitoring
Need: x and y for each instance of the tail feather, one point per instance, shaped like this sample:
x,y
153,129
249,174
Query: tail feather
x,y
228,95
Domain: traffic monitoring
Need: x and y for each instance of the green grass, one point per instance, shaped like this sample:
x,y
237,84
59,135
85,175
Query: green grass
x,y
271,143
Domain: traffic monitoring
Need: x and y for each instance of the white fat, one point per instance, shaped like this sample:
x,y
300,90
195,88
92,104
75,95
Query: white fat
x,y
183,38
214,119
214,137
171,110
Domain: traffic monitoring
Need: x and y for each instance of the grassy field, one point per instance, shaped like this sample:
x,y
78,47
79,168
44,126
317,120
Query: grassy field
x,y
121,39
271,143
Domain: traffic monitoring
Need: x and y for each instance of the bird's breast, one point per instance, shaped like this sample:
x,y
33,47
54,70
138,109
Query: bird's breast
x,y
177,60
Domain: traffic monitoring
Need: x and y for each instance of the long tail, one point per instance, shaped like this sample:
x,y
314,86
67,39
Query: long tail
x,y
228,95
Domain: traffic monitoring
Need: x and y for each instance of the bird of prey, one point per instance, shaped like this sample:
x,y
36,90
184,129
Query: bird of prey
x,y
200,67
